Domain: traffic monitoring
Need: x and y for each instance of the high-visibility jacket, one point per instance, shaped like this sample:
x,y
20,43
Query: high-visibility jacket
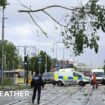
x,y
94,78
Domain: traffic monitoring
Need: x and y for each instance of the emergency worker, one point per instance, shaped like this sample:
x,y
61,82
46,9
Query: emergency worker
x,y
94,81
36,84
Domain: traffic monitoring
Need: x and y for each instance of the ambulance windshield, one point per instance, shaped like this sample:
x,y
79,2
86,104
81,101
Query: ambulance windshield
x,y
99,74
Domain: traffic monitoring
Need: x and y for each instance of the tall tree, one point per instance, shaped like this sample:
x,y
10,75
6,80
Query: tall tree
x,y
104,66
80,29
40,61
3,3
11,58
84,25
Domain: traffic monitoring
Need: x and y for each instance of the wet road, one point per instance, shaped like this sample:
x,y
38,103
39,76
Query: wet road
x,y
67,95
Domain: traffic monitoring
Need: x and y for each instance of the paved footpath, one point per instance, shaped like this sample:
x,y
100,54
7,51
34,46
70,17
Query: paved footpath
x,y
67,95
97,97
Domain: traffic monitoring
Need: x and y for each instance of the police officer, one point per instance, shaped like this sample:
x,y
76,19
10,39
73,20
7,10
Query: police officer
x,y
36,84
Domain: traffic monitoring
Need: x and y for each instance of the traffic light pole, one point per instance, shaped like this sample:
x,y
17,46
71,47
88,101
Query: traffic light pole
x,y
26,61
26,68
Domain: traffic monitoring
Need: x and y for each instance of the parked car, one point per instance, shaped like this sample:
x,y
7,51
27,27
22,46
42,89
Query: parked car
x,y
47,77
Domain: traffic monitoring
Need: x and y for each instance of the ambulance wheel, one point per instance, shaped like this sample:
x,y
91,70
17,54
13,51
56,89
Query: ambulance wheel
x,y
81,83
59,83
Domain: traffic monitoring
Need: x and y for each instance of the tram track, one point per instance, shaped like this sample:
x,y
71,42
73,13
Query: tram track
x,y
60,98
19,100
71,95
57,96
88,98
50,93
68,97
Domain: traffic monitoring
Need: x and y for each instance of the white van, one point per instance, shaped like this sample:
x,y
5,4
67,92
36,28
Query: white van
x,y
69,76
99,75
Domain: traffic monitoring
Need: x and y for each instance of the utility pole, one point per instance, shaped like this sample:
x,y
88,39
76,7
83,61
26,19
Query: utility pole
x,y
63,57
53,50
63,52
2,65
3,4
56,51
25,63
5,62
39,62
46,63
57,48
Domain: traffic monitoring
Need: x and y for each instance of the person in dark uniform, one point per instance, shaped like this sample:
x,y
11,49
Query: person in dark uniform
x,y
36,84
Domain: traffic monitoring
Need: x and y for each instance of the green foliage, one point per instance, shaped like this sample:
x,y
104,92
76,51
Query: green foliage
x,y
81,32
34,62
21,87
11,55
3,3
104,66
8,81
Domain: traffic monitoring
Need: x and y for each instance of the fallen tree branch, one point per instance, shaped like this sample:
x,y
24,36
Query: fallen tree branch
x,y
53,19
48,7
37,24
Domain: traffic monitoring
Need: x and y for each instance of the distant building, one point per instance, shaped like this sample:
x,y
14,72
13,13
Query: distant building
x,y
85,69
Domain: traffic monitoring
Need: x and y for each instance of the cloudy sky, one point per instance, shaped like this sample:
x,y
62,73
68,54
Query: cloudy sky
x,y
20,29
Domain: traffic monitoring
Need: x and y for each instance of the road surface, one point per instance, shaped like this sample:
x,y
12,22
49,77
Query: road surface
x,y
66,95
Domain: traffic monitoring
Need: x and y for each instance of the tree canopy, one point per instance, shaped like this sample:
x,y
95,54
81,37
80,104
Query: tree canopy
x,y
3,3
11,58
81,27
39,62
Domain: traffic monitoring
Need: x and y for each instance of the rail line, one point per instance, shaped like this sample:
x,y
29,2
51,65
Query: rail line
x,y
50,93
88,98
61,97
57,96
61,100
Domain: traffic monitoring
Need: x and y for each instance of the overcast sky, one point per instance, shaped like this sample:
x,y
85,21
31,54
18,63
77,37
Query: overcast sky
x,y
20,30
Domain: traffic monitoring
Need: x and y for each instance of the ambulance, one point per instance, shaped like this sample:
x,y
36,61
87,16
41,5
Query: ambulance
x,y
100,77
68,77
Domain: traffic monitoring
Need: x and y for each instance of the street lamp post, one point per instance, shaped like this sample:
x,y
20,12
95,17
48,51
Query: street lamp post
x,y
2,66
39,62
56,48
53,51
63,57
63,52
46,64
